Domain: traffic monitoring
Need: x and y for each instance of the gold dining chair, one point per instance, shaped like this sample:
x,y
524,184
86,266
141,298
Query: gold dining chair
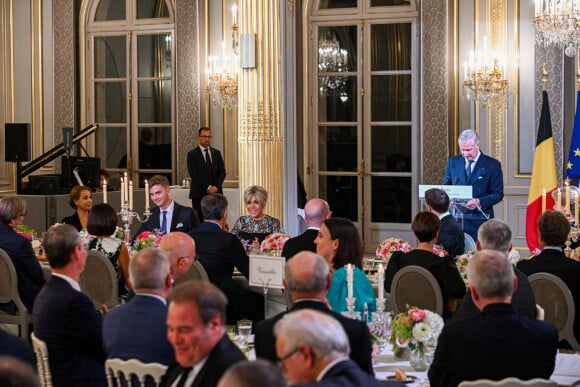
x,y
9,293
416,286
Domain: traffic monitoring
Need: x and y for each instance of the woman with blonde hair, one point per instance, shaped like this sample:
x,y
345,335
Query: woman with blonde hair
x,y
256,225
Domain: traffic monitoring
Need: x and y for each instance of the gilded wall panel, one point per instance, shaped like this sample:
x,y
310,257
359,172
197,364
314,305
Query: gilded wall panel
x,y
435,90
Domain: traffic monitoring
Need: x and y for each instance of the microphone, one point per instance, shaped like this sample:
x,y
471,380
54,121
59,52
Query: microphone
x,y
67,135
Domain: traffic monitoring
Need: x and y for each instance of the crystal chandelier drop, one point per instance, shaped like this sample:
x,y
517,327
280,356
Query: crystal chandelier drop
x,y
483,81
331,59
557,23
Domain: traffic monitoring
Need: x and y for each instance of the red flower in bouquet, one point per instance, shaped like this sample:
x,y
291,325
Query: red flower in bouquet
x,y
147,239
274,242
388,246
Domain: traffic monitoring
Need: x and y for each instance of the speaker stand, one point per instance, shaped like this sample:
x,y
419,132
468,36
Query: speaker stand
x,y
18,177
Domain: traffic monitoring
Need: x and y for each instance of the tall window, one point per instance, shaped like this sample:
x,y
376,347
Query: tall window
x,y
130,85
363,119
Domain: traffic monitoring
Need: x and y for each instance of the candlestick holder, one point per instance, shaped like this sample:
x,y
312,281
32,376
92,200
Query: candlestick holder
x,y
350,312
381,304
127,215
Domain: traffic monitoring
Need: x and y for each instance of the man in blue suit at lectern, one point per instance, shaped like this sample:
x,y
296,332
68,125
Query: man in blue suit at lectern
x,y
481,172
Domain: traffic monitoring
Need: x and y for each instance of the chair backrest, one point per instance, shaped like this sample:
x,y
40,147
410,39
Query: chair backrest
x,y
553,295
122,370
508,382
416,286
469,243
196,272
41,352
99,280
9,292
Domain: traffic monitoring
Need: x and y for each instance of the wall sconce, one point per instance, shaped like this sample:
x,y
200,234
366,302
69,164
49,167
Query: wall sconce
x,y
222,73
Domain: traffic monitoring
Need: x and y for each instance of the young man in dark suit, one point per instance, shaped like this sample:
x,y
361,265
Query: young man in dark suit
x,y
307,279
498,342
219,252
450,234
168,215
481,172
206,168
196,330
316,211
553,231
65,318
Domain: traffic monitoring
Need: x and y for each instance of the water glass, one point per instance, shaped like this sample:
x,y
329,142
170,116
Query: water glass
x,y
244,330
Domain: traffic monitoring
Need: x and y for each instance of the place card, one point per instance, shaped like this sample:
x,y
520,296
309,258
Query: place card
x,y
267,271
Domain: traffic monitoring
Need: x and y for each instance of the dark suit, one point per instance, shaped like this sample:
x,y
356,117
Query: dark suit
x,y
183,219
219,252
347,374
67,321
523,300
137,330
14,346
451,236
487,182
304,241
222,356
555,262
496,344
357,332
28,270
443,269
200,179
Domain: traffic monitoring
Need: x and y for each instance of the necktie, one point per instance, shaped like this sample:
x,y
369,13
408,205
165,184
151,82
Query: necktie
x,y
183,377
164,223
208,164
468,168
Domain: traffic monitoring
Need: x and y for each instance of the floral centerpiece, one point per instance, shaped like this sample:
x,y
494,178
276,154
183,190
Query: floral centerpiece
x,y
462,261
274,243
439,251
147,239
86,237
119,233
26,231
416,329
388,246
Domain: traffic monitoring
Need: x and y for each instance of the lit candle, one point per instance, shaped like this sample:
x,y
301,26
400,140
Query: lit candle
x,y
105,191
380,281
559,200
567,199
576,202
349,280
126,187
122,192
131,194
544,201
146,194
235,14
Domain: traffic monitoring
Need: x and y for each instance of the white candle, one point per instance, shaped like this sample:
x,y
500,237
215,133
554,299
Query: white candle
x,y
544,201
349,280
576,202
105,191
146,194
122,192
381,281
131,194
126,187
235,14
559,201
567,199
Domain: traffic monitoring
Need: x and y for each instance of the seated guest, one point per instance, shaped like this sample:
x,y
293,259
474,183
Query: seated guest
x,y
307,279
258,373
168,215
553,231
19,248
313,348
450,235
136,330
339,242
425,226
65,318
180,250
496,235
255,226
196,330
81,200
499,342
219,252
102,224
316,212
14,346
15,373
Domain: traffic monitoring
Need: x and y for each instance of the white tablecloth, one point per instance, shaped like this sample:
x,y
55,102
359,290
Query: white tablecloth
x,y
385,366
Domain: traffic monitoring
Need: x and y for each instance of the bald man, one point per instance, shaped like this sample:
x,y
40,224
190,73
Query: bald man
x,y
316,212
180,250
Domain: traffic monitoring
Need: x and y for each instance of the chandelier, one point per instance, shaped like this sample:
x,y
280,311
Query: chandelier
x,y
557,23
332,59
222,72
483,81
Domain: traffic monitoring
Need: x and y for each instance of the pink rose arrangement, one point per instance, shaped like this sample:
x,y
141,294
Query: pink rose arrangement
x,y
274,243
147,239
416,328
388,246
439,251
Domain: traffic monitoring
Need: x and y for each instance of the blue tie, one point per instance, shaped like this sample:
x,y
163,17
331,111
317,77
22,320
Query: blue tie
x,y
468,168
164,223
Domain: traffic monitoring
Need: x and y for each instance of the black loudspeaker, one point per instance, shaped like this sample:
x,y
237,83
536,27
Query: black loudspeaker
x,y
44,184
17,142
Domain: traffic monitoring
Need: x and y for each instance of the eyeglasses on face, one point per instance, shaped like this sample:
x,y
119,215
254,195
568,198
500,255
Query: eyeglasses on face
x,y
282,359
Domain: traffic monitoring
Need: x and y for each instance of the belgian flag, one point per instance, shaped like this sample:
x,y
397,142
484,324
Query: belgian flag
x,y
543,176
